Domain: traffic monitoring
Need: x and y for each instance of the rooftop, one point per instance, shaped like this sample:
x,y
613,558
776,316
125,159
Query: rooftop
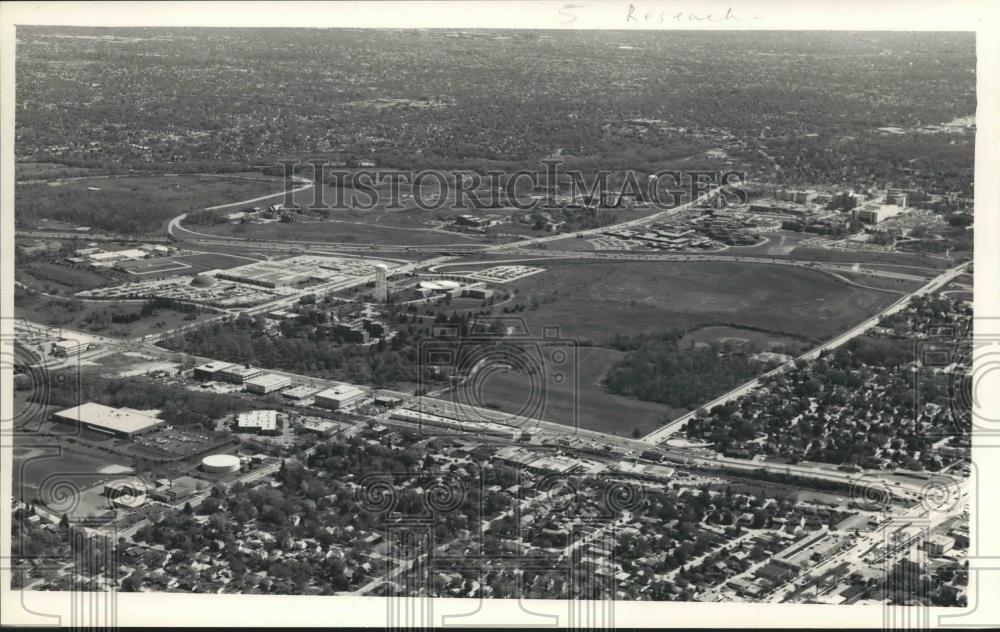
x,y
268,379
113,419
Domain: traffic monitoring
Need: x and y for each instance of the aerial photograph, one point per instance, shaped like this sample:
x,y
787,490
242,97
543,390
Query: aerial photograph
x,y
616,315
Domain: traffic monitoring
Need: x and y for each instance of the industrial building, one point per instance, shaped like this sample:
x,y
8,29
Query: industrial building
x,y
210,371
121,422
260,421
267,383
236,374
338,397
67,347
300,395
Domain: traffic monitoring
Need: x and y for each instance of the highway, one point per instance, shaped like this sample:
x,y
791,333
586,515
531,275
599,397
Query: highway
x,y
661,434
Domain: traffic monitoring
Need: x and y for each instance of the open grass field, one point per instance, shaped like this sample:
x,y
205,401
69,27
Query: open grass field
x,y
344,232
895,285
54,278
591,301
867,256
579,403
36,470
47,171
95,316
131,204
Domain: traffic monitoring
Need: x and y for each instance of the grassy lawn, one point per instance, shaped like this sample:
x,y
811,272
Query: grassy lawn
x,y
592,301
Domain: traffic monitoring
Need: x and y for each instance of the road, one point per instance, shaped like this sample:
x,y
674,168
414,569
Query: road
x,y
661,434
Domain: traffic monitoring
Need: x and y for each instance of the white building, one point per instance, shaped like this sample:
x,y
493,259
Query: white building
x,y
267,383
340,396
260,420
69,347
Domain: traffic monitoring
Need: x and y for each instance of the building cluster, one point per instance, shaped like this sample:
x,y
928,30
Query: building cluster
x,y
96,256
258,382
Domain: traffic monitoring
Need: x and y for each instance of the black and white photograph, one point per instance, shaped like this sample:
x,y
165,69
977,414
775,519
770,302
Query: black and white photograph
x,y
666,307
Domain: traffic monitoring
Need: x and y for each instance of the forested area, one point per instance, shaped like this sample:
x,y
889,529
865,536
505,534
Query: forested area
x,y
657,369
316,354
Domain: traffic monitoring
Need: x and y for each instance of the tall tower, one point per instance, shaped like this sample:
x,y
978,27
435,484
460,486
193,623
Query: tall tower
x,y
381,286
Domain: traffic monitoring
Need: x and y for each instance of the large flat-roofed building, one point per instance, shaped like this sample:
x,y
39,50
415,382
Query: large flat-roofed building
x,y
939,544
876,214
339,396
262,421
121,422
68,347
237,374
267,383
300,395
211,370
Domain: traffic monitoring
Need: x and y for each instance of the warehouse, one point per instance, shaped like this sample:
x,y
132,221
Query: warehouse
x,y
121,422
267,383
338,397
209,371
